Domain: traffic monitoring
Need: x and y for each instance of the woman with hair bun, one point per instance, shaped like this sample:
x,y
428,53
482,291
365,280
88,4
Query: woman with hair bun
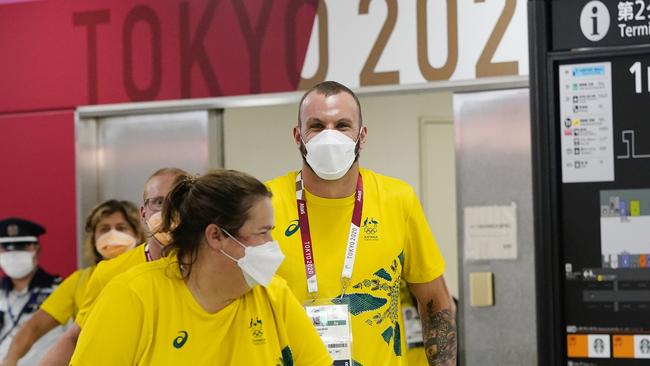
x,y
214,298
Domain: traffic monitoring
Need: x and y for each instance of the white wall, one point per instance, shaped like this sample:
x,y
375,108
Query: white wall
x,y
438,194
393,132
259,141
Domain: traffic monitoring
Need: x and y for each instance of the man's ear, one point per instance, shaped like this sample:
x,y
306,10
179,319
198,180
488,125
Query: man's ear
x,y
142,215
362,136
296,135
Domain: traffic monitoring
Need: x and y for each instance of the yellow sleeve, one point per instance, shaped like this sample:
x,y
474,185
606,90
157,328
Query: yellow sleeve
x,y
305,344
423,261
113,332
60,305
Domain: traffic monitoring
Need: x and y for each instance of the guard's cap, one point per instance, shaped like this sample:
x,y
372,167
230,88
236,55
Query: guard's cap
x,y
16,232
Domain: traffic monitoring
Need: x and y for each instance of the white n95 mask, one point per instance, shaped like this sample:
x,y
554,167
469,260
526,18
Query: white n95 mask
x,y
17,264
113,243
259,263
330,154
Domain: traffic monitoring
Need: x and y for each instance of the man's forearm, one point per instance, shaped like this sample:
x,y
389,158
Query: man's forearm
x,y
439,334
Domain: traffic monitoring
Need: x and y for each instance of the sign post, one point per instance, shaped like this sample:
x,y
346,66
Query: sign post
x,y
590,102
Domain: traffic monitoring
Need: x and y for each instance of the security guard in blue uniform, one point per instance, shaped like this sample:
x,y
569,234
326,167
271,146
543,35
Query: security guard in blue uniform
x,y
25,285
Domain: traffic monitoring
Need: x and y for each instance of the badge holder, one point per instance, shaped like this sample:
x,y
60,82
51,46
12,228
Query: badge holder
x,y
412,326
332,322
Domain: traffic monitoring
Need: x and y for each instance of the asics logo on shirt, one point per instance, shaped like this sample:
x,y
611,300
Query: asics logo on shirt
x,y
180,340
292,228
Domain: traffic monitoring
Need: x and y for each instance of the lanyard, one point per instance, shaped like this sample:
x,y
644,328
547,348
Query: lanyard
x,y
307,245
16,319
147,254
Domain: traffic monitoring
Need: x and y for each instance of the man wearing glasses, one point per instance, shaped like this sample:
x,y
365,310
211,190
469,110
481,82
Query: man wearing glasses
x,y
25,285
155,190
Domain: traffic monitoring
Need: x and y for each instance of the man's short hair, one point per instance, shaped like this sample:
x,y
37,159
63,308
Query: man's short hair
x,y
328,88
163,171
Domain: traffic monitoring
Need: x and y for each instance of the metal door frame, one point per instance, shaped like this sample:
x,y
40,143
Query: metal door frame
x,y
86,146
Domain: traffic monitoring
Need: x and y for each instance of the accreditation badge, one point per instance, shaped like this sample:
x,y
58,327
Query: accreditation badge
x,y
332,322
412,326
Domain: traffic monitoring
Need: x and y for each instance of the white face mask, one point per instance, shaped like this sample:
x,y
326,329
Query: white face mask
x,y
17,264
330,154
259,262
113,243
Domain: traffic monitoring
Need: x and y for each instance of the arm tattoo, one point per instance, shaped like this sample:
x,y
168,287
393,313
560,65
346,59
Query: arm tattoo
x,y
439,333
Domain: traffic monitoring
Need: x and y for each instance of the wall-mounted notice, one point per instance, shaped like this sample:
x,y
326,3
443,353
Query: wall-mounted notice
x,y
491,232
586,125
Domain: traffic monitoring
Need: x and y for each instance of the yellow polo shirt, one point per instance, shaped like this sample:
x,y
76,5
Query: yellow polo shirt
x,y
64,303
148,316
395,243
106,271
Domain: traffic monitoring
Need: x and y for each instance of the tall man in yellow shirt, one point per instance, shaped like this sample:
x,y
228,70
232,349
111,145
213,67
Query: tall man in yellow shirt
x,y
350,235
155,190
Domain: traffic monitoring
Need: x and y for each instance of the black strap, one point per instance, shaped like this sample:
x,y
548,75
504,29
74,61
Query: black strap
x,y
4,336
41,281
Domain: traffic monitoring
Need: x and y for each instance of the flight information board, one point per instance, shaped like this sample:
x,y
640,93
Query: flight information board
x,y
602,130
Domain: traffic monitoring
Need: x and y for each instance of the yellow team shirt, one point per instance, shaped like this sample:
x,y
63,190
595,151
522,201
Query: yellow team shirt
x,y
106,271
64,303
395,243
148,316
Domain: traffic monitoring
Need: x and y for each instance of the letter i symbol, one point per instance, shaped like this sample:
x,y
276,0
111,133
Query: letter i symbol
x,y
594,21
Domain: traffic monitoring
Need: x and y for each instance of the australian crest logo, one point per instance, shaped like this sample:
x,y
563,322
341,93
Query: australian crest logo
x,y
370,228
257,331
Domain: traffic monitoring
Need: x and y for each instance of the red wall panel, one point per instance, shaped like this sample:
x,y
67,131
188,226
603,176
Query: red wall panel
x,y
38,181
61,54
